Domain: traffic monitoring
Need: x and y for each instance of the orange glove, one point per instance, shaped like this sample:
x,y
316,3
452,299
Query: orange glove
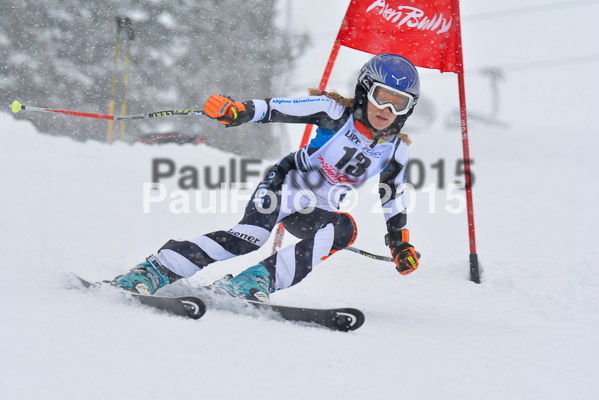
x,y
403,253
225,110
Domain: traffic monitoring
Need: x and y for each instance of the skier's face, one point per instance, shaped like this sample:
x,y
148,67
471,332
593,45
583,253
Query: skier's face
x,y
379,119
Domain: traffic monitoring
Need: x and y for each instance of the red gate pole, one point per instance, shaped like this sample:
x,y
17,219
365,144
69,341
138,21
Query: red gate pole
x,y
322,86
474,269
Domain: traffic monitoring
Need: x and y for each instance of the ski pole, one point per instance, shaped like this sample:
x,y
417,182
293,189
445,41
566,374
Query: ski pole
x,y
369,255
17,106
374,256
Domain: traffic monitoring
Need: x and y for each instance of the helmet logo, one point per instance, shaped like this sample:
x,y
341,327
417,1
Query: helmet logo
x,y
400,79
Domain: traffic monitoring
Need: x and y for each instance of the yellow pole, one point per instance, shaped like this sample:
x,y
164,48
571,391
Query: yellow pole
x,y
110,130
130,37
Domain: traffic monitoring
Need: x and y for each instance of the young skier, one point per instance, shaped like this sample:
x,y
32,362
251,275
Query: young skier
x,y
356,140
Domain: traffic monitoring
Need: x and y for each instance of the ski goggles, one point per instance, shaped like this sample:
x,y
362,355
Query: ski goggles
x,y
382,96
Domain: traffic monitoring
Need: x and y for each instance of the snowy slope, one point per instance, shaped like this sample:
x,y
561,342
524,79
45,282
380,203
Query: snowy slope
x,y
529,331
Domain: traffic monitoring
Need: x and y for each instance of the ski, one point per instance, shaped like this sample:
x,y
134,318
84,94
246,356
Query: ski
x,y
184,306
338,319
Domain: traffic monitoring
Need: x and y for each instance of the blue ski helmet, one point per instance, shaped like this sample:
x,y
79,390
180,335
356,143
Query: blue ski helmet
x,y
392,70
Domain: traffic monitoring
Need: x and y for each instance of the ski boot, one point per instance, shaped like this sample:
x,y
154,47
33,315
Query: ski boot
x,y
146,278
255,283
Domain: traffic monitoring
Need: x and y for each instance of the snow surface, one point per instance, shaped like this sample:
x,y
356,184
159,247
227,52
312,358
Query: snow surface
x,y
529,331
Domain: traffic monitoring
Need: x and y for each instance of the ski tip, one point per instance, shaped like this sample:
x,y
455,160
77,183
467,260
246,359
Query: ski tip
x,y
348,319
16,106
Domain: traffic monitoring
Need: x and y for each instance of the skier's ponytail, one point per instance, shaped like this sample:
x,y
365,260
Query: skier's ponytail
x,y
336,97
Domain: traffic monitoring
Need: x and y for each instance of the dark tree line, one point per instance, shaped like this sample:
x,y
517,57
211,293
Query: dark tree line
x,y
61,55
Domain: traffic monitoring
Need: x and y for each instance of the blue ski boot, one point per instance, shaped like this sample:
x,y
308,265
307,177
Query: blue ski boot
x,y
255,283
147,277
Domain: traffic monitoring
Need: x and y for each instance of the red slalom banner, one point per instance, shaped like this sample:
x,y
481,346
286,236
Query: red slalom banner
x,y
422,31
